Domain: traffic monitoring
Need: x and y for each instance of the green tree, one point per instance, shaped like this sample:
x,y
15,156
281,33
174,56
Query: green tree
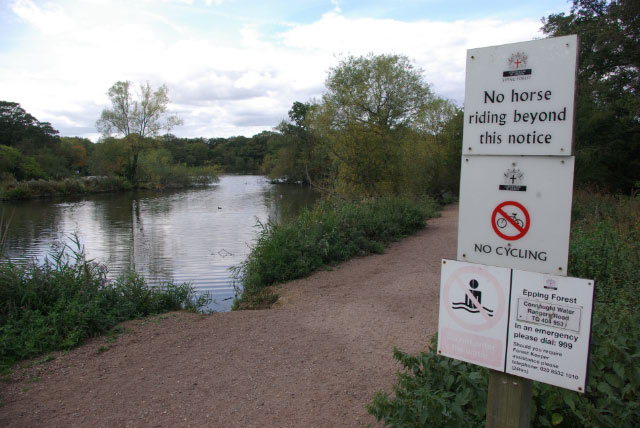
x,y
431,162
435,115
19,128
608,107
136,117
37,141
14,164
292,152
371,104
110,157
77,152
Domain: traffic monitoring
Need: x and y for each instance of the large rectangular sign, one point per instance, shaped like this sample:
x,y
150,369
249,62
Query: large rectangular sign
x,y
519,98
528,324
515,212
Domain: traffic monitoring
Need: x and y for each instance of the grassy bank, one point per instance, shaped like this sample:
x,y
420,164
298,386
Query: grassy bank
x,y
329,233
159,178
55,305
605,246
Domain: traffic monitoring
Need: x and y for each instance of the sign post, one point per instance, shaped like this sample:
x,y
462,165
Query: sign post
x,y
515,212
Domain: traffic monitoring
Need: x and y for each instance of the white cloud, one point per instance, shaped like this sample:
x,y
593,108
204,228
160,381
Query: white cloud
x,y
220,88
49,20
437,47
336,6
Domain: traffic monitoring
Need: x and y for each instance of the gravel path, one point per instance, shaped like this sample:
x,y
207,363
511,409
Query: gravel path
x,y
315,360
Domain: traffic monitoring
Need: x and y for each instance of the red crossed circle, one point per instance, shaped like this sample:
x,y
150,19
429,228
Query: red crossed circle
x,y
521,230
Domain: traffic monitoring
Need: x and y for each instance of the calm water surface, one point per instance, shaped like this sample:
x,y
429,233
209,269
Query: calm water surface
x,y
185,236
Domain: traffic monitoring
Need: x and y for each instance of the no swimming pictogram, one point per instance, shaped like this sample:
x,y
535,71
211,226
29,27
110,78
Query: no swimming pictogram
x,y
472,324
510,220
465,294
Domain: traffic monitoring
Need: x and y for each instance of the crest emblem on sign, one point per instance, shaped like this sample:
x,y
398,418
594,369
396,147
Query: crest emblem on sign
x,y
513,176
518,61
513,180
550,284
517,64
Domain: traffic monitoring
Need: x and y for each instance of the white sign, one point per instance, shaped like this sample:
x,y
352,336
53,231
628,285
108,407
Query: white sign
x,y
519,98
473,317
528,324
549,329
515,212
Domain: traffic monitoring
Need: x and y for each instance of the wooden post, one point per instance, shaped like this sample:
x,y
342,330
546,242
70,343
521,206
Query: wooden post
x,y
509,401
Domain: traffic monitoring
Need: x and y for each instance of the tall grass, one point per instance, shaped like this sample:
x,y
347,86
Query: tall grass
x,y
56,304
329,233
605,246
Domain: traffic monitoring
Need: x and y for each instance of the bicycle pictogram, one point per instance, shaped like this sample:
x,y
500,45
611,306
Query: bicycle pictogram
x,y
502,222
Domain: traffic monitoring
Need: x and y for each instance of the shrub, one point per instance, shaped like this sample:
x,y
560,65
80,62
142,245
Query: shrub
x,y
328,234
433,391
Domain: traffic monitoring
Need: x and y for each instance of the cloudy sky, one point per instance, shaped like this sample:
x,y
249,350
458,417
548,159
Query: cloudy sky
x,y
233,67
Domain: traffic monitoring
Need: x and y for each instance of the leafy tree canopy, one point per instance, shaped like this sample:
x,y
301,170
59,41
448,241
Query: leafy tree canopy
x,y
142,113
17,126
608,106
384,91
376,112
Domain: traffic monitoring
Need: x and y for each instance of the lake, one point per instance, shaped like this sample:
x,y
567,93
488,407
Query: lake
x,y
193,235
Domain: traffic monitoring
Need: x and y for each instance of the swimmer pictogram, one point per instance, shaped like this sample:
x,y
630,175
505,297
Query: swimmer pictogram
x,y
473,301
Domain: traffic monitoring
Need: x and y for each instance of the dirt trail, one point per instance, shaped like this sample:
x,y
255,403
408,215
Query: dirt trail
x,y
315,360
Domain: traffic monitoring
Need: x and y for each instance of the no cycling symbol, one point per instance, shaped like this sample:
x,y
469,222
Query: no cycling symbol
x,y
510,220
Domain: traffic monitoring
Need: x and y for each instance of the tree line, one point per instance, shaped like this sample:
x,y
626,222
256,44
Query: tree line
x,y
378,129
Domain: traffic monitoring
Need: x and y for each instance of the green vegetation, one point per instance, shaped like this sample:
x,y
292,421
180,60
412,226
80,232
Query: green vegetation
x,y
378,131
607,127
349,145
605,246
12,189
36,162
55,305
327,234
136,118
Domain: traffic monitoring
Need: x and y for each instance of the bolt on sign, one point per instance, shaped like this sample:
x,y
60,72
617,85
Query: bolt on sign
x,y
532,325
515,211
519,98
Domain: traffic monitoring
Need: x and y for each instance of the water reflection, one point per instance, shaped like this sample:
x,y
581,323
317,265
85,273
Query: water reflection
x,y
194,235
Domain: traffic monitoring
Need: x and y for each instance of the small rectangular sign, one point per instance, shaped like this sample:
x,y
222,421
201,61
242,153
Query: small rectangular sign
x,y
519,98
559,316
532,325
473,317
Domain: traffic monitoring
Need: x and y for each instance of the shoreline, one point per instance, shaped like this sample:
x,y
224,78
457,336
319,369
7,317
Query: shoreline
x,y
83,186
